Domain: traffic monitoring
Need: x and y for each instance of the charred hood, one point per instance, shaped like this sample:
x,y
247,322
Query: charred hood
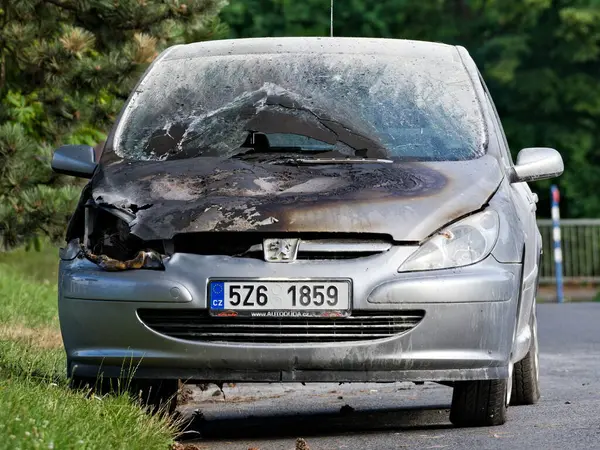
x,y
408,201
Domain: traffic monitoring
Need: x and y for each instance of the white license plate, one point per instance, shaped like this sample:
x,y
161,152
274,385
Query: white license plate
x,y
269,298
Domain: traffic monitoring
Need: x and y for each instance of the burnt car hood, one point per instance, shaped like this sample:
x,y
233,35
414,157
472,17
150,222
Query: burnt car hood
x,y
407,200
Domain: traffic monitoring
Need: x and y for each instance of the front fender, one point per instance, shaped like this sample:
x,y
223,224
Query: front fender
x,y
511,238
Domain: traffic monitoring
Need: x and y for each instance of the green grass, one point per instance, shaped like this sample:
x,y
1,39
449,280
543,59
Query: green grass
x,y
39,266
37,414
26,300
37,409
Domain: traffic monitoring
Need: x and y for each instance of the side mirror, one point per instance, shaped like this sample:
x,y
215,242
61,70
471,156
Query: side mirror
x,y
75,160
538,163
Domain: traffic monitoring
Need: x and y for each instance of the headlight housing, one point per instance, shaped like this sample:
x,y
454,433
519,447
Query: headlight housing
x,y
465,242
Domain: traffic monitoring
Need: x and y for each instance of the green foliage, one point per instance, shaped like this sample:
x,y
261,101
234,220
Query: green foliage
x,y
541,60
38,267
25,300
39,414
38,409
66,67
26,111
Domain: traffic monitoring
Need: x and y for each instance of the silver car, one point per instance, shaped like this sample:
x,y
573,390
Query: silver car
x,y
307,210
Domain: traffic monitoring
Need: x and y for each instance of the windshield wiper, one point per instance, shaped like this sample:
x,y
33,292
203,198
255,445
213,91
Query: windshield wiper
x,y
350,160
285,156
276,152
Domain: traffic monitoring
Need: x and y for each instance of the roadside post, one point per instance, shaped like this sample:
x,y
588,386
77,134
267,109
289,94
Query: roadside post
x,y
558,266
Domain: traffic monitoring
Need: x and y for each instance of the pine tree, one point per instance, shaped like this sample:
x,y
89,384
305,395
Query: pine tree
x,y
66,66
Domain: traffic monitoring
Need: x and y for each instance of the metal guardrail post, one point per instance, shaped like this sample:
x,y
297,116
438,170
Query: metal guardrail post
x,y
557,241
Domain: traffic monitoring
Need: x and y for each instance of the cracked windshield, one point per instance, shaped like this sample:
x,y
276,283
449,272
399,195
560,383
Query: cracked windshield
x,y
370,106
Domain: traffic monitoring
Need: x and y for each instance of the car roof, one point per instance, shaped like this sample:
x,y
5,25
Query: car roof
x,y
316,45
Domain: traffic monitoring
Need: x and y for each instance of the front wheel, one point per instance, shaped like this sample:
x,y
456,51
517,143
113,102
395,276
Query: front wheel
x,y
480,403
526,384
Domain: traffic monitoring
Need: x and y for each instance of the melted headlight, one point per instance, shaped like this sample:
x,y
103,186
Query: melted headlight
x,y
109,244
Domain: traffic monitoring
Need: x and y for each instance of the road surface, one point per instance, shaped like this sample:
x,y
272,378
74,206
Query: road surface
x,y
403,415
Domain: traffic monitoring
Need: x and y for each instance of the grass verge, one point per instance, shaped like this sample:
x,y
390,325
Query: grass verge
x,y
37,409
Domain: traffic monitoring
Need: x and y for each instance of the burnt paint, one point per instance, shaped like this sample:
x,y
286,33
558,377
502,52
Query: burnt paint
x,y
216,194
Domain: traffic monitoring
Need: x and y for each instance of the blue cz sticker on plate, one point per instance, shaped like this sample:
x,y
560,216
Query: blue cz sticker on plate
x,y
217,295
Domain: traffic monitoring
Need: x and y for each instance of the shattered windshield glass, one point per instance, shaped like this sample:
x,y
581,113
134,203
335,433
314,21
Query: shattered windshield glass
x,y
345,105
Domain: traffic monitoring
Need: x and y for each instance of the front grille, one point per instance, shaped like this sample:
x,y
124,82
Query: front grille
x,y
199,326
318,256
312,246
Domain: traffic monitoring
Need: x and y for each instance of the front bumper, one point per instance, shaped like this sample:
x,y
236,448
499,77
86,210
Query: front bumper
x,y
467,331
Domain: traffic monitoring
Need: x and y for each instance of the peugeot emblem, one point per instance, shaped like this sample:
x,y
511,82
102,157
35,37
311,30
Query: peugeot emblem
x,y
280,250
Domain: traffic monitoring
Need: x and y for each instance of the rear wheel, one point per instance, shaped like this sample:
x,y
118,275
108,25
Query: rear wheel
x,y
526,388
480,403
159,396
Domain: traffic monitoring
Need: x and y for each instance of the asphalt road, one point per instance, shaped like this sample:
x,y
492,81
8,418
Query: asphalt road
x,y
403,415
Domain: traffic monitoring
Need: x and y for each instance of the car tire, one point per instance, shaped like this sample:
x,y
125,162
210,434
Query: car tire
x,y
158,396
479,403
526,387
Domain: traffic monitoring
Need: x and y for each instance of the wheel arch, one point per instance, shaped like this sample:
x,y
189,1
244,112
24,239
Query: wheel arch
x,y
525,305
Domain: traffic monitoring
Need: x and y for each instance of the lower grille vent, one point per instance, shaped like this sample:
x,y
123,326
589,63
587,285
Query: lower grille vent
x,y
196,325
